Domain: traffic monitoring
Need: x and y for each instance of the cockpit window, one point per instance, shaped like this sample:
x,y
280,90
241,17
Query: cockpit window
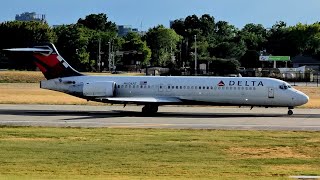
x,y
285,86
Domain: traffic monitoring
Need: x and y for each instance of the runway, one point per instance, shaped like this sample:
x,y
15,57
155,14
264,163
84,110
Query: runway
x,y
171,117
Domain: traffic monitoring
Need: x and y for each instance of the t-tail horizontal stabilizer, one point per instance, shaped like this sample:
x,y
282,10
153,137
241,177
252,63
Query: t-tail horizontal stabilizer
x,y
49,61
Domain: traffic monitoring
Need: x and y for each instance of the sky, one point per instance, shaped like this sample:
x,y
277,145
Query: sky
x,y
150,13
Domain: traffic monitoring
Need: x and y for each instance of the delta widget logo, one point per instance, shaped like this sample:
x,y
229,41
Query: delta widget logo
x,y
221,83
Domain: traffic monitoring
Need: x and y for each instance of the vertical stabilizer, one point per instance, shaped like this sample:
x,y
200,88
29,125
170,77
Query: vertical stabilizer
x,y
49,61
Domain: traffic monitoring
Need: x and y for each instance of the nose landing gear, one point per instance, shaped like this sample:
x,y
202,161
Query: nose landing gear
x,y
290,112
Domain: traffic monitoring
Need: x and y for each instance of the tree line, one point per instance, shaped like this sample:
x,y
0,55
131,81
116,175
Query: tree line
x,y
220,45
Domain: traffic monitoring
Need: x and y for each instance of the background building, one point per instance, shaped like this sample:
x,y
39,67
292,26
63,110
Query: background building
x,y
123,30
31,16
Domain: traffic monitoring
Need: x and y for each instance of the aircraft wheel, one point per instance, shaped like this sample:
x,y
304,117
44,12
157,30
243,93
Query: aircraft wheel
x,y
149,109
154,109
144,109
290,112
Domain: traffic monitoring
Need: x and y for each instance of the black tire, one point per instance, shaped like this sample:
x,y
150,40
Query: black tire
x,y
149,109
144,109
290,112
154,109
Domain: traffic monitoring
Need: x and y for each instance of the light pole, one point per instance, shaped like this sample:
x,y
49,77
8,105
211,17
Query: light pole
x,y
195,54
109,57
99,56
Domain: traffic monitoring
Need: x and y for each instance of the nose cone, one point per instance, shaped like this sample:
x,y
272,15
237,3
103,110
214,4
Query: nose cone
x,y
301,98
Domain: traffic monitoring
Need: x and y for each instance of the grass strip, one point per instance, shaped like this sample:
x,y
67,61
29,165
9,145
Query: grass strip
x,y
36,76
105,153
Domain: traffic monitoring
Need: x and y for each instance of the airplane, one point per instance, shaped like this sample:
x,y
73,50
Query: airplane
x,y
155,91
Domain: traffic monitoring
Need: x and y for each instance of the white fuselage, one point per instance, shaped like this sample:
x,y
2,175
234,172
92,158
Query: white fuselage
x,y
190,90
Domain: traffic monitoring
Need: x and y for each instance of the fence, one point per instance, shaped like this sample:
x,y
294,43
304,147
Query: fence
x,y
302,79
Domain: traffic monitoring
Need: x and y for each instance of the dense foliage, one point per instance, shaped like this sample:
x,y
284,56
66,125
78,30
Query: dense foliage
x,y
219,44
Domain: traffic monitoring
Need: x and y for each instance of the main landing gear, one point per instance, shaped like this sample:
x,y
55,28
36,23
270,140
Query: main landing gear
x,y
290,112
150,108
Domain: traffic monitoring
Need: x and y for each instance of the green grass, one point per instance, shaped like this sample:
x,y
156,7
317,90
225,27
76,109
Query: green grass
x,y
102,153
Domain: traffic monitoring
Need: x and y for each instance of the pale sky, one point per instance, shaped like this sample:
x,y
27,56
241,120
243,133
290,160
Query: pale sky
x,y
150,13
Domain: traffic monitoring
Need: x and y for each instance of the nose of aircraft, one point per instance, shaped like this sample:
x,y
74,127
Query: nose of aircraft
x,y
301,98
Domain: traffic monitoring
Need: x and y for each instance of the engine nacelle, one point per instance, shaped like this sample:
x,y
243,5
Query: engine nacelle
x,y
99,89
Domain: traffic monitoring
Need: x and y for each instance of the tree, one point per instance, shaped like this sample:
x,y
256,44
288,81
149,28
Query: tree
x,y
227,42
254,35
104,38
214,39
225,66
163,44
179,27
228,49
98,22
224,31
73,41
24,34
250,59
278,42
192,22
140,51
305,38
207,25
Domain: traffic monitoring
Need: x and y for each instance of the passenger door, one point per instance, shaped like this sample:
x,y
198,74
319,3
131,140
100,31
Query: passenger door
x,y
270,92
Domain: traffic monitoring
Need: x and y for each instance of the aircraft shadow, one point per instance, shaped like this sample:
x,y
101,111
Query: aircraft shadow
x,y
80,115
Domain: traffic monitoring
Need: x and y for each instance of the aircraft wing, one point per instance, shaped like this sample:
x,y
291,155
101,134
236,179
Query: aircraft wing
x,y
142,99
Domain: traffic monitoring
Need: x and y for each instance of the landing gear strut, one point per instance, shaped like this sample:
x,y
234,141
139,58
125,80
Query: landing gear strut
x,y
290,112
150,109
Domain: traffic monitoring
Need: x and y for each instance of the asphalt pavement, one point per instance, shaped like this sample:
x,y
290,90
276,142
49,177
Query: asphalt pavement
x,y
172,117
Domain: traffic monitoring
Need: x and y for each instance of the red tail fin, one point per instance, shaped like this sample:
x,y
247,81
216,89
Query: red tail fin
x,y
49,61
